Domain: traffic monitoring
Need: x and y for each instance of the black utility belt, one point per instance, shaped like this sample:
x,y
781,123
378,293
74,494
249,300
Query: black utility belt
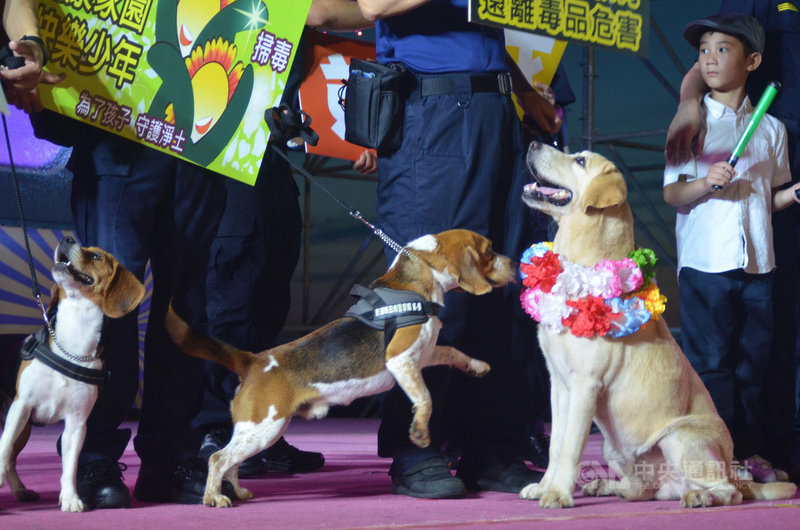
x,y
434,85
374,95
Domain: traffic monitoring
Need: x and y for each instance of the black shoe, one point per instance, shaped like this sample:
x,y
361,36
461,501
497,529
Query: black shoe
x,y
794,474
216,439
538,450
255,466
100,484
286,458
506,478
451,454
213,441
429,480
184,483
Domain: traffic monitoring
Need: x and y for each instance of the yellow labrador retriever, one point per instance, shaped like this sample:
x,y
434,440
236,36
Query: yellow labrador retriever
x,y
662,434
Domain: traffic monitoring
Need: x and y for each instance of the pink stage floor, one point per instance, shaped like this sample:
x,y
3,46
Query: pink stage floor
x,y
353,491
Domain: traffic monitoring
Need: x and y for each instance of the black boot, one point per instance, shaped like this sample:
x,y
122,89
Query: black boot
x,y
100,484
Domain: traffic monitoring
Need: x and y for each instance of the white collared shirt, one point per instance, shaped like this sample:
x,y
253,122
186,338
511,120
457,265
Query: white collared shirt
x,y
731,228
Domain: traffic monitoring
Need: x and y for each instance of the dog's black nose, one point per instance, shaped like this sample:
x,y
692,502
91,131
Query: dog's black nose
x,y
68,240
535,146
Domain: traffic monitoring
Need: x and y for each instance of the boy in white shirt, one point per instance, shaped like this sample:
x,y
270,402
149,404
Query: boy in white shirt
x,y
724,232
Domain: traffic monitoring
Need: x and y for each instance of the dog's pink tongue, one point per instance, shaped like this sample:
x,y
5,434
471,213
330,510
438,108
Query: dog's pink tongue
x,y
544,190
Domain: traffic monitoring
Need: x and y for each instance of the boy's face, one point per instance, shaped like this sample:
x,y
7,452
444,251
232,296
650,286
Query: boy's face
x,y
723,62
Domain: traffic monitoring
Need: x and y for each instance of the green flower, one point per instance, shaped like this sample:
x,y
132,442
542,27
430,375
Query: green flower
x,y
646,260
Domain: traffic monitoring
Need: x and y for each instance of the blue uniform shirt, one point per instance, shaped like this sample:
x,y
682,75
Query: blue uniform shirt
x,y
436,38
781,60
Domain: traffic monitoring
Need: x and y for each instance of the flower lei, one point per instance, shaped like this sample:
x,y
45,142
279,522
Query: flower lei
x,y
614,298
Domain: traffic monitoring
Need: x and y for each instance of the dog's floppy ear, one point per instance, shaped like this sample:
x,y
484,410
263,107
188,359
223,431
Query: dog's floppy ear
x,y
470,278
605,190
123,292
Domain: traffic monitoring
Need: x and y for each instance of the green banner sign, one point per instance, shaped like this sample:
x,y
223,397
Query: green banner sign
x,y
191,78
618,25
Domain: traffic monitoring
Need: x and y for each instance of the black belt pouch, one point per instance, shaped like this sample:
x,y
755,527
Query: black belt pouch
x,y
375,103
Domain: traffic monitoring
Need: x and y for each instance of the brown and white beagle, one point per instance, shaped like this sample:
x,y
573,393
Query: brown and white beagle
x,y
346,359
59,375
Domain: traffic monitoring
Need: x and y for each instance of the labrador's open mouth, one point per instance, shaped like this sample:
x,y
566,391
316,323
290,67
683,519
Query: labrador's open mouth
x,y
541,190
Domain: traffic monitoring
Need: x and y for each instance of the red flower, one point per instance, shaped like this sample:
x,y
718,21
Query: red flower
x,y
542,272
591,317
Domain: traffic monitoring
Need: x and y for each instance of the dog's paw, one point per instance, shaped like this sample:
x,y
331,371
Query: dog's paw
x,y
697,498
594,488
556,499
478,368
26,495
601,487
531,492
243,494
419,436
70,502
217,501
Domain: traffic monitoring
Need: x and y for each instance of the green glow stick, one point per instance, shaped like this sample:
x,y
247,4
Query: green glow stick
x,y
761,108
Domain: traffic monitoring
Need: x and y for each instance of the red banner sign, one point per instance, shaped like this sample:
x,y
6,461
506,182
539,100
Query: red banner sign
x,y
329,58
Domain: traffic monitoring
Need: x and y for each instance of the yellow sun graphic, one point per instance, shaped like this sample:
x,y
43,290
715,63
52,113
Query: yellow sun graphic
x,y
214,80
192,16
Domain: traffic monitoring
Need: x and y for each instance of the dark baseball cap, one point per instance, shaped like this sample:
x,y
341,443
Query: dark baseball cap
x,y
742,26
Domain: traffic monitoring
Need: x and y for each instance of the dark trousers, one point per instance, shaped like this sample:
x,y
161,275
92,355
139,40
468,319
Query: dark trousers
x,y
253,258
781,397
143,205
726,329
461,166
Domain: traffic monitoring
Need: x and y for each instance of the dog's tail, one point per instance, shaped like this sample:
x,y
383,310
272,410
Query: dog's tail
x,y
771,491
205,347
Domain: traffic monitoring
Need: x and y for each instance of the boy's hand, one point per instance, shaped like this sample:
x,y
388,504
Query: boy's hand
x,y
720,174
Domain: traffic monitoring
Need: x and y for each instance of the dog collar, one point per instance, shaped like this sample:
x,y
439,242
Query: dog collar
x,y
614,298
387,309
35,346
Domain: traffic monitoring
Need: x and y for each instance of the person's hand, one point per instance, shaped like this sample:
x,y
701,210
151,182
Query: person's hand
x,y
367,163
795,189
540,110
686,134
719,174
546,91
21,83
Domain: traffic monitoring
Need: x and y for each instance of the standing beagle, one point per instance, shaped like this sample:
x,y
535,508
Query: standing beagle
x,y
61,368
354,356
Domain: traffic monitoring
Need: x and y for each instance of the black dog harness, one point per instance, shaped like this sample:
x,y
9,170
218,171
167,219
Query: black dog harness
x,y
387,309
35,346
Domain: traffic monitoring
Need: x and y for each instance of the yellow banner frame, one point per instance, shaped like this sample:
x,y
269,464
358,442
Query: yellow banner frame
x,y
191,78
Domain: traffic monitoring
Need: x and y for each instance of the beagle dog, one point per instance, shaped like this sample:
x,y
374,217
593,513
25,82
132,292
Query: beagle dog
x,y
61,368
347,358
